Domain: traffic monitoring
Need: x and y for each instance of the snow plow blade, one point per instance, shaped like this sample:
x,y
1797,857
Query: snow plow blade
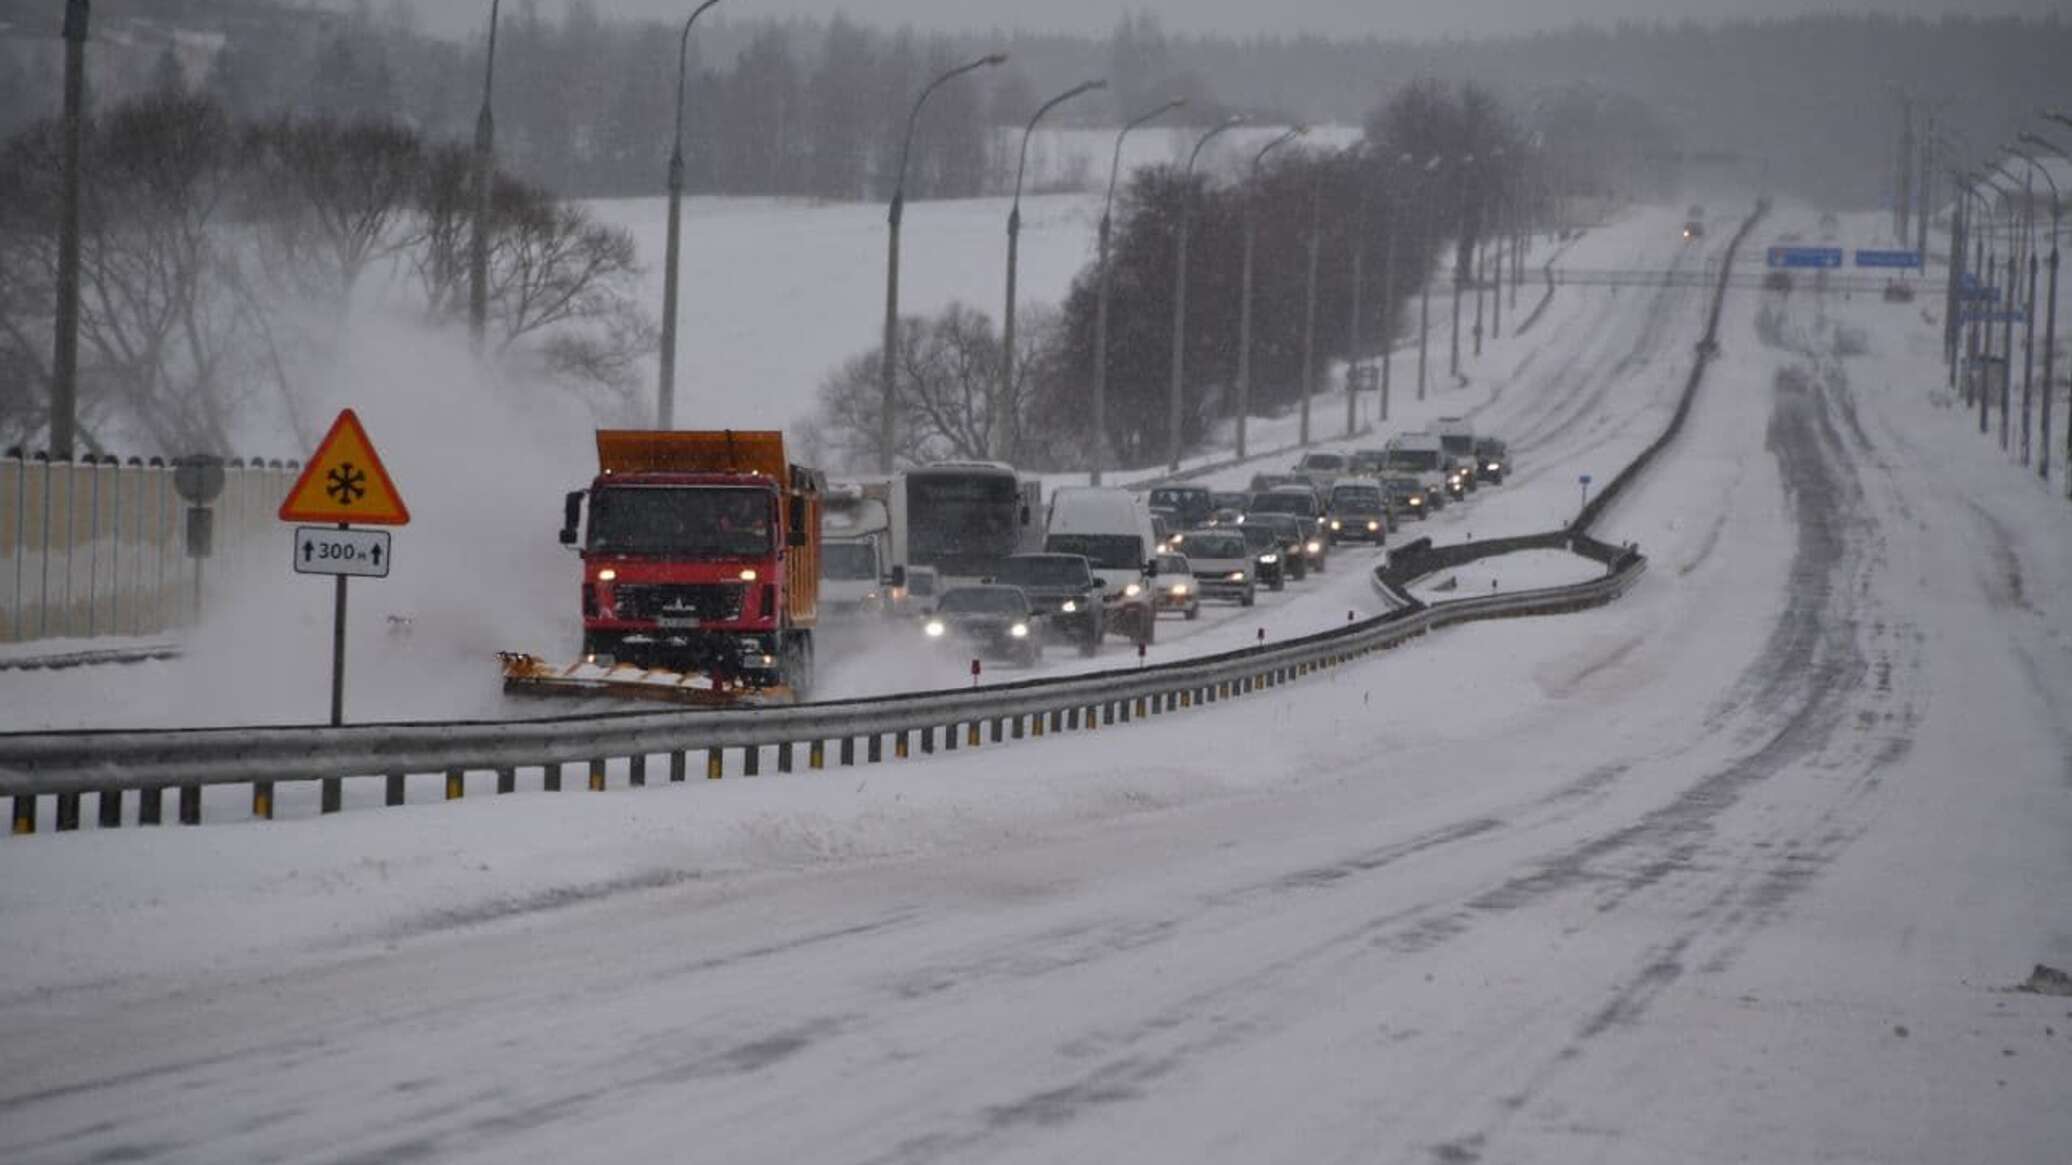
x,y
529,675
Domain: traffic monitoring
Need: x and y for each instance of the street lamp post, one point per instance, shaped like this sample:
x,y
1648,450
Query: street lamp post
x,y
2028,267
2050,318
1424,308
64,381
1459,261
888,356
1359,275
1309,300
1014,233
1244,308
665,392
1388,291
1100,454
1180,296
485,170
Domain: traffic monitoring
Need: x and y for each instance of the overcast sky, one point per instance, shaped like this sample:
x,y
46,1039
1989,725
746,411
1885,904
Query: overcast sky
x,y
1341,18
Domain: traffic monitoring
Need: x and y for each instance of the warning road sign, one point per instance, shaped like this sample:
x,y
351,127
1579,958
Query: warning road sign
x,y
345,482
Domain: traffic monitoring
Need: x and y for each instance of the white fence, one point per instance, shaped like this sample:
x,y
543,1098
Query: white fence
x,y
99,546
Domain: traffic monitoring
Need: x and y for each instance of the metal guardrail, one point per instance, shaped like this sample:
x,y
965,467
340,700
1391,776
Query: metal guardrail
x,y
107,765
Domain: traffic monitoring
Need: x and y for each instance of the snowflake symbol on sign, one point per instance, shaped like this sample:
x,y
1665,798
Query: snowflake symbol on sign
x,y
346,484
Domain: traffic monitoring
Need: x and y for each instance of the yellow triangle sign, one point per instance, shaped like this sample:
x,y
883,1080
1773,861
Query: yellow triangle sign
x,y
345,482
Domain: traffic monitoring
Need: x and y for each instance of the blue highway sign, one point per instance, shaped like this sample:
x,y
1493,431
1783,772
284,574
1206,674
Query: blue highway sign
x,y
2008,315
1824,257
1908,260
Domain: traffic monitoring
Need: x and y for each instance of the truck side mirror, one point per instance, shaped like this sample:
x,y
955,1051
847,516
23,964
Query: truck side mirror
x,y
898,577
795,537
1025,513
571,516
1151,569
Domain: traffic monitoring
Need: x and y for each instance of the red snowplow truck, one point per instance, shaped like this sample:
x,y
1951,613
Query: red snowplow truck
x,y
701,570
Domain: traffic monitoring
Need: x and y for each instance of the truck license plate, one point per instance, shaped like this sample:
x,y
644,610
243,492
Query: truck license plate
x,y
678,622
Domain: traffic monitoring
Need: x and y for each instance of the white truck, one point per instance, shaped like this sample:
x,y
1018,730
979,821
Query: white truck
x,y
856,568
1112,529
1423,456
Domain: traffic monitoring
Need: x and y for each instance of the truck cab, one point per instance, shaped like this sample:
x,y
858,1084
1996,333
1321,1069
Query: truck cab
x,y
701,554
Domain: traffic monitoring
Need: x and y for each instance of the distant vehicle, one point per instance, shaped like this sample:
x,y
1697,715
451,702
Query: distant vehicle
x,y
1492,460
1299,500
1316,546
1222,564
1322,470
959,517
1457,441
1287,528
1261,482
1693,230
1368,462
994,621
1237,500
1357,512
1061,588
1190,504
1112,529
1406,498
1175,587
1269,554
852,583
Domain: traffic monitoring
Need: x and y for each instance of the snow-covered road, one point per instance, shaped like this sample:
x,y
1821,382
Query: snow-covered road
x,y
1737,869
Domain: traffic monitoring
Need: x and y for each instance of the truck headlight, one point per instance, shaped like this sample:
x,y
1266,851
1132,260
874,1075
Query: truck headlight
x,y
607,574
1269,559
934,628
1069,606
1237,576
1132,591
1315,548
1019,630
1373,526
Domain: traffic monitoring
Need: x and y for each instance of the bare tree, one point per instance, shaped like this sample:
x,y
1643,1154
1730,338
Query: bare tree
x,y
343,190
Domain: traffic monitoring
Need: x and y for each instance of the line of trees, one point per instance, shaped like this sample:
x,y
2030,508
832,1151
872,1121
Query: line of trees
x,y
221,259
1438,216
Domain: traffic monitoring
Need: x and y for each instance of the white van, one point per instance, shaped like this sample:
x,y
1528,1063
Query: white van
x,y
1112,529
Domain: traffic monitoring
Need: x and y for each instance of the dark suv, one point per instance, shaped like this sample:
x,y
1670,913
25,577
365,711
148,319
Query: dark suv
x,y
1492,460
1063,590
1357,512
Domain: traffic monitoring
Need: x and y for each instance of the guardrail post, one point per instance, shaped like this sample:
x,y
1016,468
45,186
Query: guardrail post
x,y
928,740
329,796
1122,708
784,757
752,761
110,816
1187,697
816,756
150,806
677,764
949,737
1142,709
506,780
971,735
636,770
68,812
24,815
1017,725
715,763
550,776
1072,719
1000,726
393,791
262,800
190,804
597,774
1093,718
847,753
875,753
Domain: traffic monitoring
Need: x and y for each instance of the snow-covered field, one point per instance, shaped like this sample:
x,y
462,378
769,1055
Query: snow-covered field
x,y
1740,868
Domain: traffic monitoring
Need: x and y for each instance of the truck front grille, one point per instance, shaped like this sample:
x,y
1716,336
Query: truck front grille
x,y
710,602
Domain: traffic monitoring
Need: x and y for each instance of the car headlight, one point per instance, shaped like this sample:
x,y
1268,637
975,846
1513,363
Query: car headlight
x,y
1494,466
1336,524
1180,589
1019,630
1237,576
1269,559
1373,526
1315,548
1132,591
1069,606
934,628
1416,501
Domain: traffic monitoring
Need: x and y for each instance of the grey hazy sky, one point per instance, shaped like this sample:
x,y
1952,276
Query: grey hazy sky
x,y
1383,18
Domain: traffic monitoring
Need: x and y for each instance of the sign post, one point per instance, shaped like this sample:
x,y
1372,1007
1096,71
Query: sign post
x,y
343,483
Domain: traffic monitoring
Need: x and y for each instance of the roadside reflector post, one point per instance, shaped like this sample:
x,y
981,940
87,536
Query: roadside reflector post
x,y
150,806
393,793
874,753
68,812
1142,650
816,755
190,804
784,757
506,780
262,800
847,753
677,764
715,764
550,777
1262,635
330,796
597,774
971,740
928,740
24,815
900,745
111,809
636,770
752,761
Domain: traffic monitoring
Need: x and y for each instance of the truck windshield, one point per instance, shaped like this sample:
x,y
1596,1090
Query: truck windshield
x,y
1103,551
848,560
1459,446
959,518
681,521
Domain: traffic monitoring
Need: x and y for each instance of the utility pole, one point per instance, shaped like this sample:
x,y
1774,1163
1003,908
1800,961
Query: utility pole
x,y
1309,302
1005,412
1179,366
64,385
485,170
1904,172
1244,307
1100,452
1424,308
665,390
1359,274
